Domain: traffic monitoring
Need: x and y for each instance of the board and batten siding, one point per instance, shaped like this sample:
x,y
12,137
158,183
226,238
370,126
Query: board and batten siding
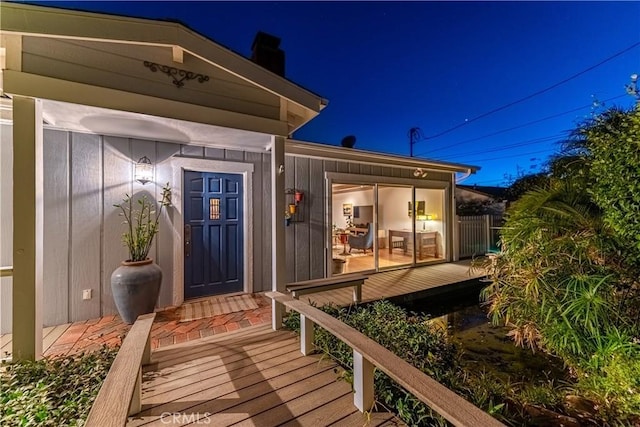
x,y
86,174
306,239
6,225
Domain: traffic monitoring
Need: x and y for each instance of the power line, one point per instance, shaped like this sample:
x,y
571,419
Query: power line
x,y
521,125
539,92
507,147
515,155
484,182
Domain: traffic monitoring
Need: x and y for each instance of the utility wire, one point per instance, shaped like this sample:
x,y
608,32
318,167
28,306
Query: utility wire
x,y
539,92
515,155
482,182
520,126
507,147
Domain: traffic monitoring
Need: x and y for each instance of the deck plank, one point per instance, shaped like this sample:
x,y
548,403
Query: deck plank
x,y
183,380
300,401
49,335
393,283
326,414
257,378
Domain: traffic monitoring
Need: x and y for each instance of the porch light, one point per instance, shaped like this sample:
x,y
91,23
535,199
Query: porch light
x,y
144,170
420,173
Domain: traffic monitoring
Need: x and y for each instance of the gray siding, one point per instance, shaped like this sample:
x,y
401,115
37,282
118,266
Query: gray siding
x,y
56,227
87,174
306,240
6,225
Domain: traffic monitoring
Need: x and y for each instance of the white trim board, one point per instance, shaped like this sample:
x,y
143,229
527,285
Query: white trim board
x,y
179,165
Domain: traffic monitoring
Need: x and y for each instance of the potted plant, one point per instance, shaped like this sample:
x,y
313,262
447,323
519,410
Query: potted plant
x,y
136,283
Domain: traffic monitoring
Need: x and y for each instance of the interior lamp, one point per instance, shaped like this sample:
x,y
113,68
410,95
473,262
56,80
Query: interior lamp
x,y
424,219
143,171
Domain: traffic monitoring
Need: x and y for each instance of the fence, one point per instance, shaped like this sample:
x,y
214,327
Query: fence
x,y
478,234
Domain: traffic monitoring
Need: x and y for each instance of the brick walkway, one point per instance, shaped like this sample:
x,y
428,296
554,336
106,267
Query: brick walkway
x,y
91,334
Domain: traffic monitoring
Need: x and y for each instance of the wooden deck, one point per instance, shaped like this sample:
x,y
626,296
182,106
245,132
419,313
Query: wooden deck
x,y
253,377
49,336
419,281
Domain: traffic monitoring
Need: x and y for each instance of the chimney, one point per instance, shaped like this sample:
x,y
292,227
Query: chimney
x,y
267,54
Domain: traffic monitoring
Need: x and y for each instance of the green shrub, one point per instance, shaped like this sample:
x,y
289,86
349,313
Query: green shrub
x,y
52,392
566,282
411,337
427,347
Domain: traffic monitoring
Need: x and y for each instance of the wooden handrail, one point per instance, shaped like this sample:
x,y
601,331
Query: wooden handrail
x,y
6,271
120,394
368,353
329,283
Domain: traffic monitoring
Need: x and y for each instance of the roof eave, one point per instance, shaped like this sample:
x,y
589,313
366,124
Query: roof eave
x,y
313,149
73,24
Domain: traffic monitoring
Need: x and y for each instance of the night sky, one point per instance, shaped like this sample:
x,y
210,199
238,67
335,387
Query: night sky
x,y
387,67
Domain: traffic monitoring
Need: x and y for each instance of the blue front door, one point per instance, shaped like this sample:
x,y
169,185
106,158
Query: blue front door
x,y
213,234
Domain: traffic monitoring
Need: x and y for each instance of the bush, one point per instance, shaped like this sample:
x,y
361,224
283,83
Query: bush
x,y
613,143
562,285
52,392
411,337
426,346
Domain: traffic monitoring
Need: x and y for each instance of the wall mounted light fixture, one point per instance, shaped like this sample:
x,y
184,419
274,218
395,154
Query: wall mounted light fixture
x,y
144,170
420,173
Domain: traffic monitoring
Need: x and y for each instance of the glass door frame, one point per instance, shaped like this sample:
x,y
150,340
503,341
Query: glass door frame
x,y
371,180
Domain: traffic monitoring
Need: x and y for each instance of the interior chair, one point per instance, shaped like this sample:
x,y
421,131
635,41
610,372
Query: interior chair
x,y
363,242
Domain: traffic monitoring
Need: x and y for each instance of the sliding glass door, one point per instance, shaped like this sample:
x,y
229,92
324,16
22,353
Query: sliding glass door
x,y
353,236
395,234
382,226
430,225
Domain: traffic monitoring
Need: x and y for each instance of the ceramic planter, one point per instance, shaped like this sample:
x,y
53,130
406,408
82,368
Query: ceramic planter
x,y
135,287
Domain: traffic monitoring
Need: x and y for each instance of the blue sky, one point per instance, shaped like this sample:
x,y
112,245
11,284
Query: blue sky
x,y
386,67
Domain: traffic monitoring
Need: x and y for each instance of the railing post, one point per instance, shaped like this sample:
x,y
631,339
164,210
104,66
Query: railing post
x,y
136,400
362,382
278,252
357,293
146,355
306,335
487,231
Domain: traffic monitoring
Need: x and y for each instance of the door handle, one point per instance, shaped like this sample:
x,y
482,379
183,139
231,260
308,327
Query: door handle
x,y
187,240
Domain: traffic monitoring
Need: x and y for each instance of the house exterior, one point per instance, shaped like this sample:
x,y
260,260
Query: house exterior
x,y
86,95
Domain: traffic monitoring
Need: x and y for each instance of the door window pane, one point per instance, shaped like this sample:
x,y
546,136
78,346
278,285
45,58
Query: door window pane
x,y
430,225
214,208
353,228
395,217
